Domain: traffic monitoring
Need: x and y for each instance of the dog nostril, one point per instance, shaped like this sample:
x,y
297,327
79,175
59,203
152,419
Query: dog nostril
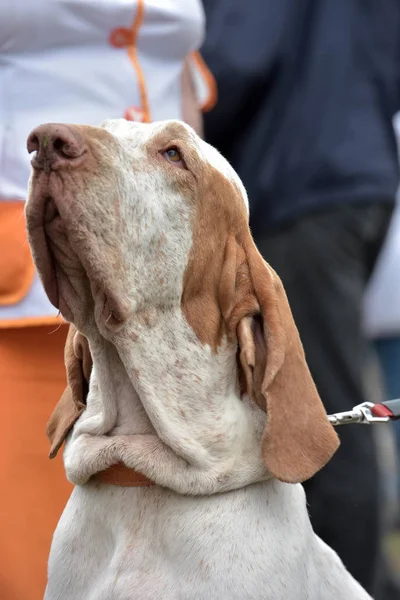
x,y
61,148
67,147
33,143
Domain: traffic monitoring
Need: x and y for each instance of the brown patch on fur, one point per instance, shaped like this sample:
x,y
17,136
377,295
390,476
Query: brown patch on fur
x,y
78,364
99,134
230,290
219,213
184,180
171,133
97,141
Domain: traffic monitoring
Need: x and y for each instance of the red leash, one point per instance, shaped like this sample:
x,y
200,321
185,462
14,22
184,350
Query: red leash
x,y
368,413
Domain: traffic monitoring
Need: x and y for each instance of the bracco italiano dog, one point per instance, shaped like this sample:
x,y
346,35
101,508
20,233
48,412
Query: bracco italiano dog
x,y
190,417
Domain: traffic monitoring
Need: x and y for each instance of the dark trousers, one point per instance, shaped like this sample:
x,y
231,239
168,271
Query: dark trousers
x,y
324,260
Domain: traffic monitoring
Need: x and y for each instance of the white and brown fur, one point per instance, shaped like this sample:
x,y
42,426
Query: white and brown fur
x,y
198,381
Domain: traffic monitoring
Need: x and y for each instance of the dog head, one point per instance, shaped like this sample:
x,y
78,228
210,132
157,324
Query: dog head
x,y
132,219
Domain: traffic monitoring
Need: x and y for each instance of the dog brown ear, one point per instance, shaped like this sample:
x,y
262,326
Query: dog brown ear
x,y
78,364
298,439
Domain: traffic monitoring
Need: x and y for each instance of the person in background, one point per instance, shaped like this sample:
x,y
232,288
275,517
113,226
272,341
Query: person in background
x,y
307,92
381,316
78,62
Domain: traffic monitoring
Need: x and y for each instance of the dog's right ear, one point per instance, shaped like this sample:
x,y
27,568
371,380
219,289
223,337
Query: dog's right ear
x,y
78,364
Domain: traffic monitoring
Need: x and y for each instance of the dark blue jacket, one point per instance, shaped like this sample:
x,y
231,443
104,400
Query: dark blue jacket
x,y
307,92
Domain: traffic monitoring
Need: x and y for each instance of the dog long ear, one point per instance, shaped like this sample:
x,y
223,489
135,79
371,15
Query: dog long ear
x,y
78,364
298,439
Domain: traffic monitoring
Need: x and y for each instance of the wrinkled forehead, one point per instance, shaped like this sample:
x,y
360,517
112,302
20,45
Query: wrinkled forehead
x,y
140,135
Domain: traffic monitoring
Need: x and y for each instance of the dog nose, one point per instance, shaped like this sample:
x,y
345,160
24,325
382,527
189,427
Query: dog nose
x,y
57,146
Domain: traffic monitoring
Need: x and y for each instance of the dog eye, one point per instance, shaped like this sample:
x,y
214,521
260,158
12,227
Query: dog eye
x,y
173,155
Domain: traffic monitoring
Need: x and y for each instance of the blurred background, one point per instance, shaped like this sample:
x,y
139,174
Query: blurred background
x,y
301,96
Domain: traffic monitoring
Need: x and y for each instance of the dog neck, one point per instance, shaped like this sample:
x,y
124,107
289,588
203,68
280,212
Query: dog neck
x,y
155,383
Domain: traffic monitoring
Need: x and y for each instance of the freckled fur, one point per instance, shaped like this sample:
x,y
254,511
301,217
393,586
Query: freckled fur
x,y
171,251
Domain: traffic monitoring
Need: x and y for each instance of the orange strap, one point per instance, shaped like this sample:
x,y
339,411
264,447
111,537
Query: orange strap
x,y
124,37
122,476
209,81
137,23
16,265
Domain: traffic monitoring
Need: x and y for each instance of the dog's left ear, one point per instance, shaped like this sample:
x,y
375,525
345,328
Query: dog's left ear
x,y
298,439
78,364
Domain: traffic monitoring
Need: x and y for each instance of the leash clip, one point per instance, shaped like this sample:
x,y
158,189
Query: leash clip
x,y
359,414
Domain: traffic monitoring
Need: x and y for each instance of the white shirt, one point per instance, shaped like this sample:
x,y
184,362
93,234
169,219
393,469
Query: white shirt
x,y
83,61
